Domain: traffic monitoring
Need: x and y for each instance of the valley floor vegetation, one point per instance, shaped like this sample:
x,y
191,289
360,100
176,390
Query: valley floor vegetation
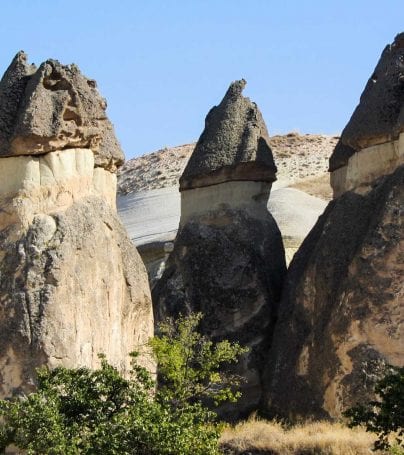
x,y
314,438
92,412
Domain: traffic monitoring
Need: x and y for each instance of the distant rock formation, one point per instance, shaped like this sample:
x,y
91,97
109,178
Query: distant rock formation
x,y
72,284
228,260
341,316
150,208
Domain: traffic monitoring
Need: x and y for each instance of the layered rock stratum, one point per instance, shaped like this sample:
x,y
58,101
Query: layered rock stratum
x,y
228,258
72,284
341,315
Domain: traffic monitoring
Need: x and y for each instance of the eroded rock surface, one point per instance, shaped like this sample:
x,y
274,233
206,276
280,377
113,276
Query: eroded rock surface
x,y
233,146
53,108
72,284
228,260
342,310
372,143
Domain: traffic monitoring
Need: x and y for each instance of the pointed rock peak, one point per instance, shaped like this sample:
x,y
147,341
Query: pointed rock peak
x,y
51,108
379,117
233,146
236,88
12,86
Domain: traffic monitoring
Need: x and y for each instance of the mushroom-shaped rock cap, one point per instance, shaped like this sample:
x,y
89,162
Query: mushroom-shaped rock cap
x,y
51,108
233,145
379,117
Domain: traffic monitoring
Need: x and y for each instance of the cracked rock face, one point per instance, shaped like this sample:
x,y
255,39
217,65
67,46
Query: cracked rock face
x,y
229,266
233,145
52,108
72,285
341,313
379,117
228,260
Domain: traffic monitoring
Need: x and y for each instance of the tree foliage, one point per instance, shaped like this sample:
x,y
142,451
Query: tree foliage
x,y
83,411
191,365
384,416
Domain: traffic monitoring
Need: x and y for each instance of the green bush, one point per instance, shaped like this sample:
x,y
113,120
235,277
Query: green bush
x,y
82,411
384,416
190,365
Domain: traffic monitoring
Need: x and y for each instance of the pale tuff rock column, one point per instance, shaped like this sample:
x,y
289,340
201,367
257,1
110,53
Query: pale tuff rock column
x,y
228,260
72,285
343,304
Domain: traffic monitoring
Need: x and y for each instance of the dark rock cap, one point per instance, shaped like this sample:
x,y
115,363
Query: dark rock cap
x,y
379,117
51,108
233,145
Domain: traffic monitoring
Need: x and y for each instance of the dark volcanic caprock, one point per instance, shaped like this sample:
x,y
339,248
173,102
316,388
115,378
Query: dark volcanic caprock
x,y
228,260
233,146
371,144
341,315
52,108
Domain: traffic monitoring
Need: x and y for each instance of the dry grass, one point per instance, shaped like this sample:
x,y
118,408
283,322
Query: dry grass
x,y
316,438
318,186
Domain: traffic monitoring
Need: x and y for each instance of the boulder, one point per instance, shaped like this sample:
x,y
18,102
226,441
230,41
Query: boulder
x,y
54,108
340,318
234,145
72,285
228,260
372,143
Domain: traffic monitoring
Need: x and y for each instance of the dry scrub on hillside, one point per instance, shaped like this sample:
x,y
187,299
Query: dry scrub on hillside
x,y
317,438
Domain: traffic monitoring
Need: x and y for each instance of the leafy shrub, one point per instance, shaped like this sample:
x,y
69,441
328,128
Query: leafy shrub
x,y
384,416
190,364
83,411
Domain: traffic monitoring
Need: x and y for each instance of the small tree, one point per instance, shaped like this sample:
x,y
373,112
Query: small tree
x,y
191,365
384,416
83,411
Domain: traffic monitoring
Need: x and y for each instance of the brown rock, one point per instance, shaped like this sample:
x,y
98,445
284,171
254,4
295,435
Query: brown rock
x,y
228,260
53,108
379,117
72,285
233,146
342,309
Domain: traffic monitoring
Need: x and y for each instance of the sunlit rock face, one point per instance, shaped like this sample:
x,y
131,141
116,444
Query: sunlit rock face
x,y
372,143
228,259
72,284
341,317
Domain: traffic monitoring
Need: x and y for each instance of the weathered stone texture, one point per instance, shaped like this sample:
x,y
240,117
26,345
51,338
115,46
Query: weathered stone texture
x,y
72,285
52,108
230,266
341,316
379,117
228,260
233,146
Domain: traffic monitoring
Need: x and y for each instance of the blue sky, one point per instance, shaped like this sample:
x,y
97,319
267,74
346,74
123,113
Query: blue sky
x,y
162,64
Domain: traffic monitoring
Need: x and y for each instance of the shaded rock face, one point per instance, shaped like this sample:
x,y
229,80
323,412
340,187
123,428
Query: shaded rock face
x,y
379,117
228,260
53,108
342,310
72,284
341,315
233,146
230,266
372,143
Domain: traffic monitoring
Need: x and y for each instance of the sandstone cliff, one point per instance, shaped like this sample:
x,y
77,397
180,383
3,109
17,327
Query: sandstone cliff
x,y
341,315
228,259
72,284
